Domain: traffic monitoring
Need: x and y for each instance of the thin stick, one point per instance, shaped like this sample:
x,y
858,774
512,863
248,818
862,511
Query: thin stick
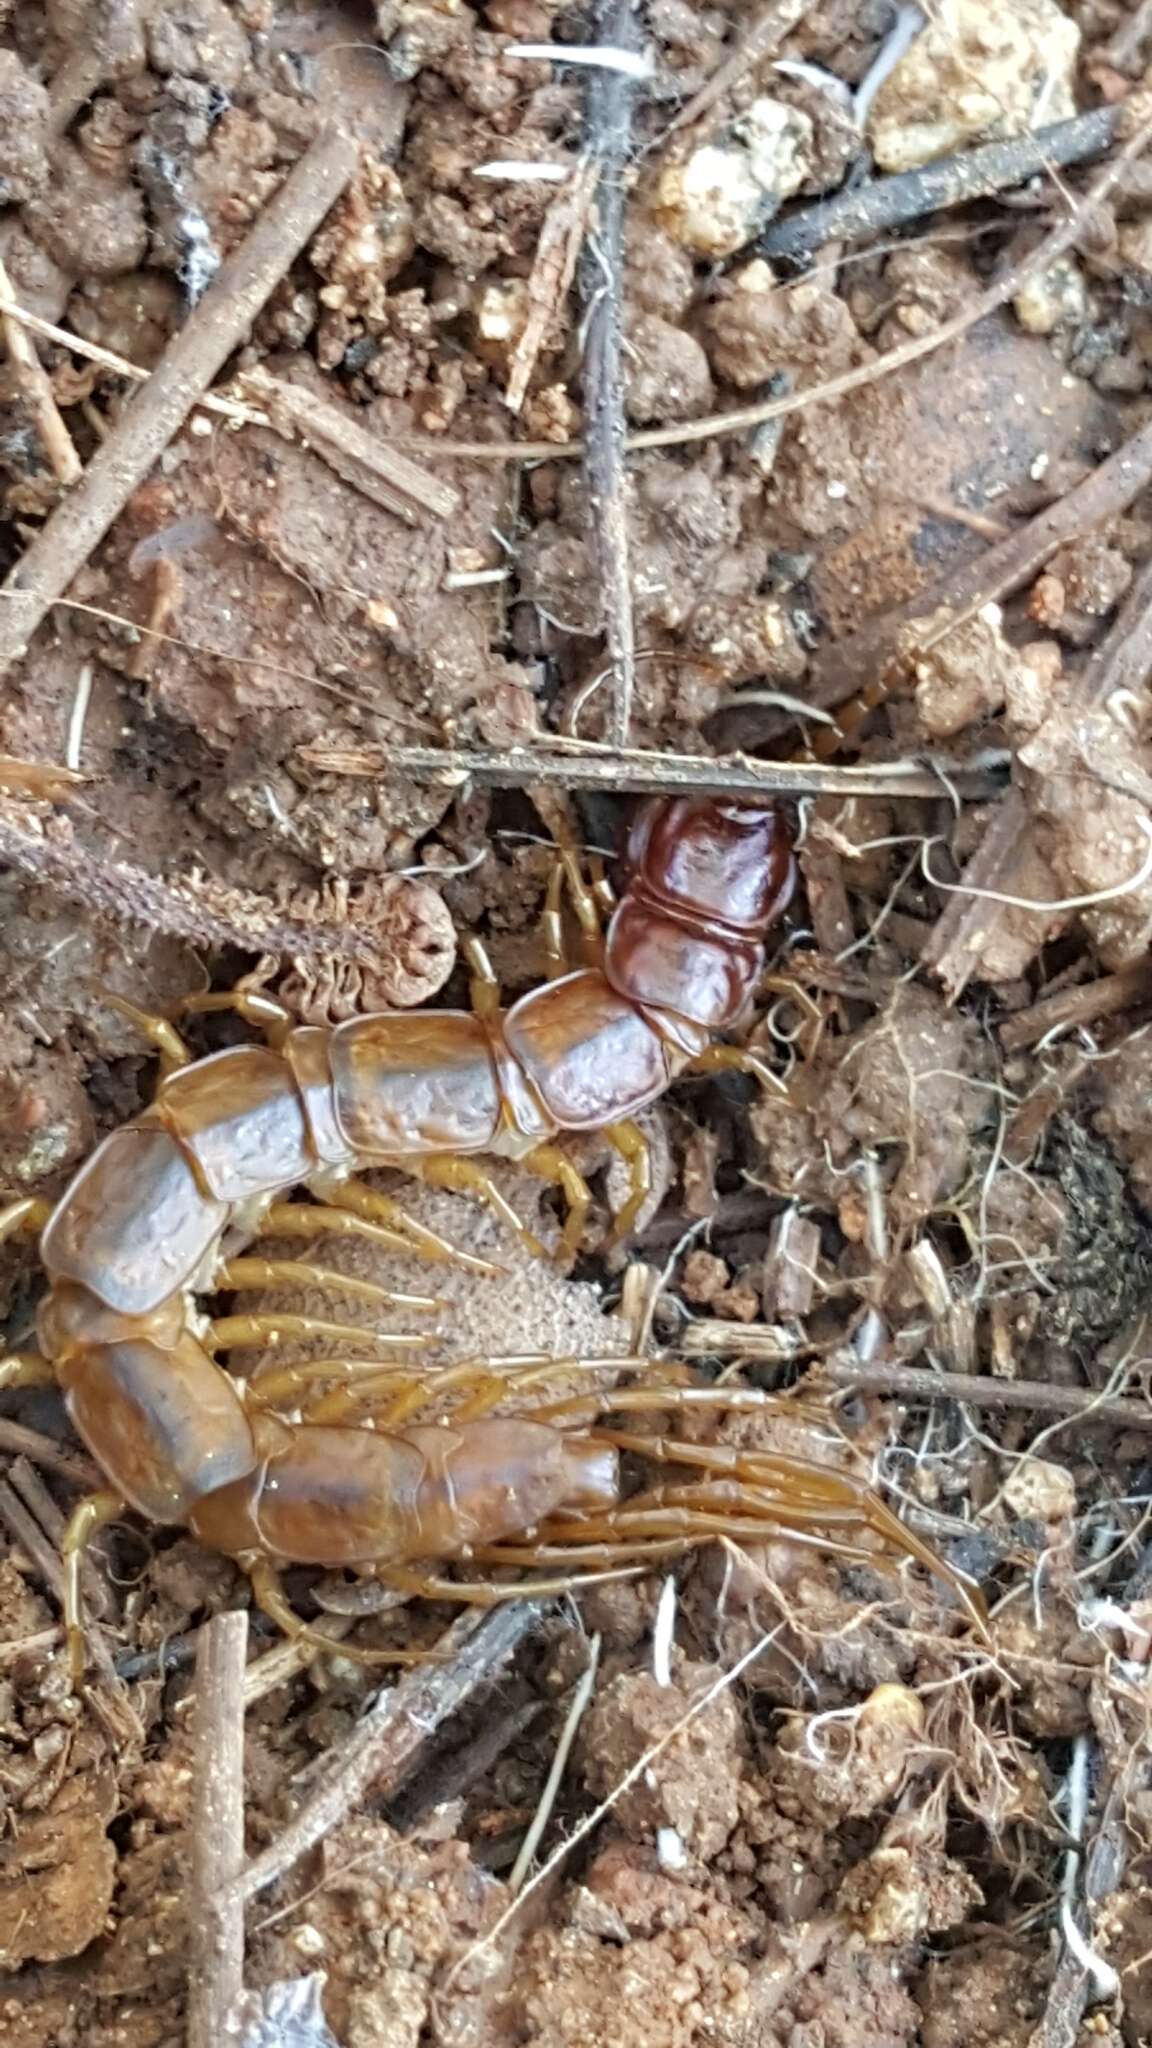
x,y
1121,663
592,1820
218,324
385,1747
1108,996
216,1947
609,132
572,1720
361,458
636,773
921,1383
45,1451
36,390
836,671
950,181
1007,286
757,43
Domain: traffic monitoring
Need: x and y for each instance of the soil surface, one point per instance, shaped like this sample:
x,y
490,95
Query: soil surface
x,y
810,1806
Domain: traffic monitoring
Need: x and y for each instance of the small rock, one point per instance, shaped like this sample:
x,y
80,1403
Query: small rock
x,y
721,195
1038,1490
24,167
668,374
975,73
1057,298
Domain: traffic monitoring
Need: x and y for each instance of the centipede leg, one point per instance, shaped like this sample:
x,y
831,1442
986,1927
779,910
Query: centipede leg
x,y
237,1274
25,1369
554,1165
94,1512
264,1012
374,1207
24,1218
236,1333
159,1031
716,1059
426,1586
270,1597
629,1141
552,925
312,1219
465,1177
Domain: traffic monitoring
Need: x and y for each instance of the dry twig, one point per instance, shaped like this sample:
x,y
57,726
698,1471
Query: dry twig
x,y
921,1383
951,181
751,49
1123,661
216,1910
1108,996
26,1531
630,772
217,325
44,1450
375,469
385,1747
609,133
36,390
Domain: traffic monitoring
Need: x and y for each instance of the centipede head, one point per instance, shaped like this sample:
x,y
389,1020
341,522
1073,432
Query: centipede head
x,y
715,858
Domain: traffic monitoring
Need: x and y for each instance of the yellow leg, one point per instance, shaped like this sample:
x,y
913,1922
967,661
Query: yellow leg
x,y
24,1218
374,1207
308,1219
716,1059
553,1164
90,1514
267,1015
241,1273
584,904
552,925
25,1369
241,1333
483,985
283,1386
270,1598
465,1177
629,1141
159,1031
425,1586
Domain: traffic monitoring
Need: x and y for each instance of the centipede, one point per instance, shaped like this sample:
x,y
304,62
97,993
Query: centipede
x,y
384,1468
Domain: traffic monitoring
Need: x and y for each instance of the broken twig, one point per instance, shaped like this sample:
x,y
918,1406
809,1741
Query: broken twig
x,y
386,1745
1108,996
218,324
35,387
216,1947
634,773
362,459
951,181
609,132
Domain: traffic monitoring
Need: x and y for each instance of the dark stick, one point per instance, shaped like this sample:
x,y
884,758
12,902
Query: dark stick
x,y
951,181
44,1450
1109,996
219,323
609,133
216,1949
385,1747
632,773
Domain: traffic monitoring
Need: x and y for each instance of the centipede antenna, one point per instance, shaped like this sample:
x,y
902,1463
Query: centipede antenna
x,y
236,1274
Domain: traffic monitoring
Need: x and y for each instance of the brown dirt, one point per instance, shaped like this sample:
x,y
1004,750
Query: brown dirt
x,y
860,1841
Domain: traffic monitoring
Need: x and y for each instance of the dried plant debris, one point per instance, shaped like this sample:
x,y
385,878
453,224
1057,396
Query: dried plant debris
x,y
756,1790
